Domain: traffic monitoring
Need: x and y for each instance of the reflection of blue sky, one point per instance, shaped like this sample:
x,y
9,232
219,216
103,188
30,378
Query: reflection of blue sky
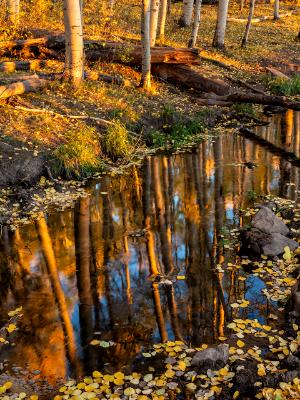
x,y
254,286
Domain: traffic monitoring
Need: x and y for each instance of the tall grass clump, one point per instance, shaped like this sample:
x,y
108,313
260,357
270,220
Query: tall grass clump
x,y
285,87
79,154
116,143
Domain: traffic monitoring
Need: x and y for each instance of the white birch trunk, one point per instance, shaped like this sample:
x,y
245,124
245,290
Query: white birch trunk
x,y
12,11
154,21
276,9
196,23
187,13
248,26
162,19
219,39
74,41
146,49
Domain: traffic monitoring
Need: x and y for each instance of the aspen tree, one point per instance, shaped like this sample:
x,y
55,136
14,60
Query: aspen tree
x,y
219,38
74,41
146,50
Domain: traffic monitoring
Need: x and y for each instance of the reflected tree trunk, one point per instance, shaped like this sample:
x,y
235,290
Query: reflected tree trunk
x,y
83,273
48,253
166,246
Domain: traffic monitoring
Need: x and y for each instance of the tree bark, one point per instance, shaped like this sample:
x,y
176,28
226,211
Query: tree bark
x,y
187,13
146,49
162,19
154,21
196,23
219,38
276,9
248,26
12,11
73,42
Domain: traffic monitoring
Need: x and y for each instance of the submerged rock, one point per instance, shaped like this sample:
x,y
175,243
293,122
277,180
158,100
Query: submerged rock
x,y
266,221
211,358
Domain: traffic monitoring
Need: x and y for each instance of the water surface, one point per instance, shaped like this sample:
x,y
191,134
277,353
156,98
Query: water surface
x,y
91,272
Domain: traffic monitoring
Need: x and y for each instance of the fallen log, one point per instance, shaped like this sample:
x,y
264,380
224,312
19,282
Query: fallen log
x,y
30,65
272,148
103,51
260,19
185,75
120,52
30,85
217,91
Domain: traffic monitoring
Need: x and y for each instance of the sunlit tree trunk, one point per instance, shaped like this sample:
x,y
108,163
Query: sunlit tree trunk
x,y
242,5
154,21
248,26
276,9
187,13
219,38
74,42
12,11
146,49
162,19
196,23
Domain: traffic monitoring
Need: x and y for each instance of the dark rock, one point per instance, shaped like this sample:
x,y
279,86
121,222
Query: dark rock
x,y
211,358
256,242
21,168
277,244
292,362
266,221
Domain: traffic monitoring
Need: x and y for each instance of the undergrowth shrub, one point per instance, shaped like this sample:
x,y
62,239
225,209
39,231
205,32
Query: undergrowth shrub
x,y
178,130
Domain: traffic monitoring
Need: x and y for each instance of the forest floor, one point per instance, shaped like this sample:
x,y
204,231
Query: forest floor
x,y
42,134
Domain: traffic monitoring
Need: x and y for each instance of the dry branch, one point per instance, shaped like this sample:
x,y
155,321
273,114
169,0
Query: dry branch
x,y
276,73
29,85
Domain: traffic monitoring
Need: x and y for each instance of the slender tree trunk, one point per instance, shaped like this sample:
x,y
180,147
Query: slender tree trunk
x,y
242,5
219,38
146,50
74,41
154,21
187,13
12,11
196,23
162,19
248,26
276,9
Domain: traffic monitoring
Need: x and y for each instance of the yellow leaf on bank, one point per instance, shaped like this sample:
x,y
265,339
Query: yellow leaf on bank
x,y
261,371
240,343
